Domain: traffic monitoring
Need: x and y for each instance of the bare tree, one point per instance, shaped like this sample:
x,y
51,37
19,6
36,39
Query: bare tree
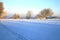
x,y
28,14
16,16
45,13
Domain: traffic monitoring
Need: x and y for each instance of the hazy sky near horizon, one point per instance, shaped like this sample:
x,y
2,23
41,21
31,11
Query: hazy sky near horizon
x,y
22,6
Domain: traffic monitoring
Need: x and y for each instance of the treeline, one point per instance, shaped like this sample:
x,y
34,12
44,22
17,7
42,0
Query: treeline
x,y
43,14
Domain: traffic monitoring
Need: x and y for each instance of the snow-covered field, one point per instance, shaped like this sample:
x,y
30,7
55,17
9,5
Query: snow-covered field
x,y
48,21
29,29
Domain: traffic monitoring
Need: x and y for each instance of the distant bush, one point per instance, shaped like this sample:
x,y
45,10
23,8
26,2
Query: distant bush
x,y
16,16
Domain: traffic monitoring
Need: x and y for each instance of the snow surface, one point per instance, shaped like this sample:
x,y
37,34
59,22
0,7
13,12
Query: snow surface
x,y
29,29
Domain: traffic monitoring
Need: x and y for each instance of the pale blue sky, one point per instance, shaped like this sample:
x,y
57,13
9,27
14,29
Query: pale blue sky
x,y
22,6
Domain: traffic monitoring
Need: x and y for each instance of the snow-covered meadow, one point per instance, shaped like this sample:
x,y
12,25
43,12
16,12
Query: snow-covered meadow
x,y
29,29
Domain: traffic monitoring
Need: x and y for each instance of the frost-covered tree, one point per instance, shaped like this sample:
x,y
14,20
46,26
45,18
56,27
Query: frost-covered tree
x,y
29,13
3,15
1,8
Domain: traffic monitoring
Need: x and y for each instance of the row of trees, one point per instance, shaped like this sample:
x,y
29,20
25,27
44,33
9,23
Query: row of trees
x,y
17,16
43,14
